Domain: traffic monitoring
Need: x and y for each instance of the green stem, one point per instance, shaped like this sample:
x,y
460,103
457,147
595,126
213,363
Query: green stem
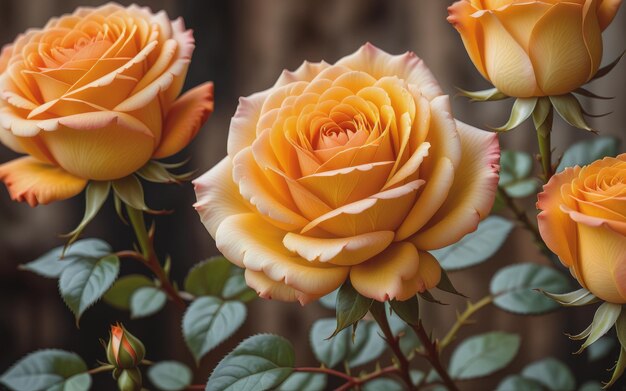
x,y
431,352
148,255
380,315
544,132
462,320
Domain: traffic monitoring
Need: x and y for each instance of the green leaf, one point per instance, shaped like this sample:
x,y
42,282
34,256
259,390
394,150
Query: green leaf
x,y
329,350
513,288
600,349
521,111
605,317
570,110
368,344
515,174
208,278
585,152
483,355
146,301
304,381
130,191
95,196
209,321
351,306
573,299
518,383
483,96
237,289
259,363
383,384
330,300
170,375
476,247
84,281
408,311
552,374
52,263
121,291
48,369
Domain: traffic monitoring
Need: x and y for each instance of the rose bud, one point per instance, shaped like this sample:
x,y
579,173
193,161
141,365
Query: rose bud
x,y
583,221
534,48
124,350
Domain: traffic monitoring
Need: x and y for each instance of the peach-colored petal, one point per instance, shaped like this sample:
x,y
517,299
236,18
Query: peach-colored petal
x,y
272,290
472,194
242,130
556,228
383,211
184,120
607,10
508,66
389,275
249,241
29,180
519,20
593,221
9,140
429,271
408,67
217,196
471,31
306,72
561,60
339,251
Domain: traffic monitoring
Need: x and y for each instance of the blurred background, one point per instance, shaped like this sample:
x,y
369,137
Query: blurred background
x,y
243,45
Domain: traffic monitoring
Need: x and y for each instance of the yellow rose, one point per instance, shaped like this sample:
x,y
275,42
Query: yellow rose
x,y
353,170
93,96
534,48
583,221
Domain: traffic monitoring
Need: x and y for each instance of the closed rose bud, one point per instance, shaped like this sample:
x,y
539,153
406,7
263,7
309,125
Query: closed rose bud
x,y
129,380
534,48
124,350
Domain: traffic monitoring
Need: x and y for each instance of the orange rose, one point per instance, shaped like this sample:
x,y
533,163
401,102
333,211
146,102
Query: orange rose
x,y
583,221
534,48
92,96
353,170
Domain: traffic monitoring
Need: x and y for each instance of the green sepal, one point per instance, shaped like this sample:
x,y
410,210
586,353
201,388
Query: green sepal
x,y
446,285
129,380
618,369
542,116
408,310
577,298
608,68
585,92
522,109
571,111
130,192
351,307
158,172
605,317
491,94
426,295
95,196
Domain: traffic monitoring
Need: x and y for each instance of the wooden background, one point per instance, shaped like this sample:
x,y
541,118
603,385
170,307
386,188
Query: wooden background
x,y
242,45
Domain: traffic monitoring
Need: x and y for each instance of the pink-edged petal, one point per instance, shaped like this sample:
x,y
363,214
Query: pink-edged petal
x,y
251,242
242,132
306,72
184,120
29,180
272,290
556,227
472,194
408,67
339,251
217,196
471,31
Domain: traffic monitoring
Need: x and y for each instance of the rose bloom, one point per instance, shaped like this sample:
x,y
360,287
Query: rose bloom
x,y
534,48
583,221
353,170
93,96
